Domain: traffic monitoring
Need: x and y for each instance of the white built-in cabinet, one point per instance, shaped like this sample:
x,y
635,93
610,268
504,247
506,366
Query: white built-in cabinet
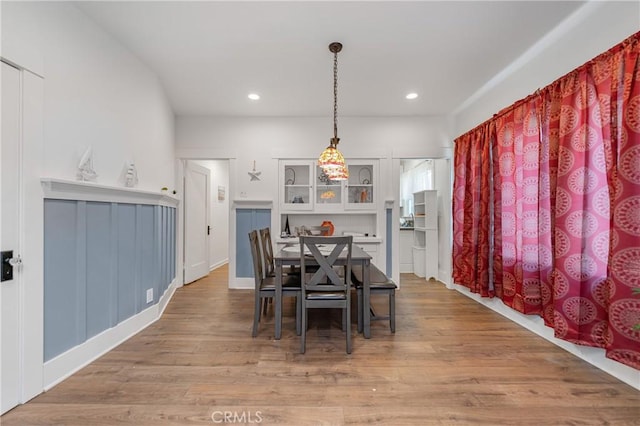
x,y
425,234
303,187
307,199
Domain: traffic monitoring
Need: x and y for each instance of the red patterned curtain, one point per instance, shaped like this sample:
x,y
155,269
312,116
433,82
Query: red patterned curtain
x,y
471,211
523,212
565,195
622,338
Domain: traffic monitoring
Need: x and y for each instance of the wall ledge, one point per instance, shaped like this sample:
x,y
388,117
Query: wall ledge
x,y
245,203
61,189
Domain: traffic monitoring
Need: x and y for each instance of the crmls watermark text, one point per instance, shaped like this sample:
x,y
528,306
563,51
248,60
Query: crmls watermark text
x,y
237,417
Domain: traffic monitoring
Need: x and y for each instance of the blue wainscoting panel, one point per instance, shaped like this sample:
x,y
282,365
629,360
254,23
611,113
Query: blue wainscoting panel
x,y
99,282
244,225
246,221
146,237
172,246
99,261
60,265
127,292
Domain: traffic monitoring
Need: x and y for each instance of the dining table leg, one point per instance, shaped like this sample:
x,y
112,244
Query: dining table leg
x,y
366,298
278,272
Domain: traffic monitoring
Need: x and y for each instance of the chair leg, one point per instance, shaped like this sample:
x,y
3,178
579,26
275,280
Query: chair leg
x,y
303,328
256,315
392,311
298,315
360,310
265,306
347,311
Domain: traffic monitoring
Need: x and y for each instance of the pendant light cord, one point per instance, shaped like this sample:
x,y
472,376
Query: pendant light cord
x,y
335,95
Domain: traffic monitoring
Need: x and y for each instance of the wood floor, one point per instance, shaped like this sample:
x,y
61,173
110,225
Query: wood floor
x,y
451,361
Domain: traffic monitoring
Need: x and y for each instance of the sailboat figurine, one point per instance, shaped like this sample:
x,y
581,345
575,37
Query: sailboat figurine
x,y
85,167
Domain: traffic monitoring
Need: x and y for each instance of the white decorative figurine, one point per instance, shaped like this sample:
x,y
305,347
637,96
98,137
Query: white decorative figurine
x,y
254,174
131,175
85,167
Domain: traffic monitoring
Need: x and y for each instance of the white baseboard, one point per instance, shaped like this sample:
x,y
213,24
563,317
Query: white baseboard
x,y
534,323
242,283
406,269
64,365
445,277
218,264
166,297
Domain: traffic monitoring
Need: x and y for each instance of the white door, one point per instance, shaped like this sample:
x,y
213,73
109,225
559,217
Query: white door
x,y
9,239
196,222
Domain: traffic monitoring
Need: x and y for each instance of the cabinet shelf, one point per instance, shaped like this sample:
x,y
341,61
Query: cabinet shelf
x,y
425,234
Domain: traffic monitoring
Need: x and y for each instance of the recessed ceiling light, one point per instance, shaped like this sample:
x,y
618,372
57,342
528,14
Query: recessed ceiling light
x,y
253,96
411,96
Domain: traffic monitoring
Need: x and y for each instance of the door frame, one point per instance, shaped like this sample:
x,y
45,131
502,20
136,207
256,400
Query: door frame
x,y
31,212
183,155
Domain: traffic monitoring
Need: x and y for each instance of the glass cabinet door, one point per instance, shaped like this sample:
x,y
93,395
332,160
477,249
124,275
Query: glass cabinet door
x,y
296,184
328,193
360,191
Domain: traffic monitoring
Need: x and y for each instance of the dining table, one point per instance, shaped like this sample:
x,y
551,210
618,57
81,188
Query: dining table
x,y
289,255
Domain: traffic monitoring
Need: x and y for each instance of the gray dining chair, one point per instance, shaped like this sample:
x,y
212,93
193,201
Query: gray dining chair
x,y
267,252
326,287
265,287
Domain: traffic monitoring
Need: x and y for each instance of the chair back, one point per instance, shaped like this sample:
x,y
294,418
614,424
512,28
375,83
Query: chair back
x,y
257,260
325,252
267,251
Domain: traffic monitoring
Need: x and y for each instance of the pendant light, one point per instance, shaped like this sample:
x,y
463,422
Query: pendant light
x,y
331,160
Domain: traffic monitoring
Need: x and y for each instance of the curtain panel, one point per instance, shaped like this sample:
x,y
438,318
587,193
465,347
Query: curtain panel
x,y
547,205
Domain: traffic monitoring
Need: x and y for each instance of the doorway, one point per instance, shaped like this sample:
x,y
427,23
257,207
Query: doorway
x,y
216,228
416,175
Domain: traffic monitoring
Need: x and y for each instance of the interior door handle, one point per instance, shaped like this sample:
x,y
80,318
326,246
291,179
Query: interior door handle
x,y
15,261
7,265
208,230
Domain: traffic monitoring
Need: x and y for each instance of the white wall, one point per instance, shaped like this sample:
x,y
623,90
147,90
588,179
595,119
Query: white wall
x,y
593,29
218,212
266,139
96,93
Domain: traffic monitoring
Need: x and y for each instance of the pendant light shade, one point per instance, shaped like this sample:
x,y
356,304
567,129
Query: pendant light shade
x,y
331,161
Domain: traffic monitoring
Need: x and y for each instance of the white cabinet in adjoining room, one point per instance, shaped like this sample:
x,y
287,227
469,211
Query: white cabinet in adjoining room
x,y
425,233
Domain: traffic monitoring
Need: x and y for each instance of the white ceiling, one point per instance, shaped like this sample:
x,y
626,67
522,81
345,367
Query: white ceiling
x,y
210,55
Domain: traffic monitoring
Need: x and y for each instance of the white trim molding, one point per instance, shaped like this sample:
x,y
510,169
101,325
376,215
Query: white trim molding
x,y
61,189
